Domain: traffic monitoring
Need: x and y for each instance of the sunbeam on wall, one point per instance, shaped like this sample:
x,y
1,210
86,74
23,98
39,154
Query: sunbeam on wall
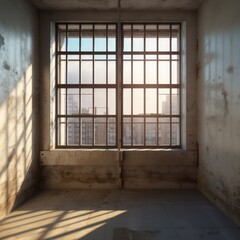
x,y
18,103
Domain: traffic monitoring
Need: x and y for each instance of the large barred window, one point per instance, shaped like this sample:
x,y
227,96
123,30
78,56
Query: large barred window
x,y
88,83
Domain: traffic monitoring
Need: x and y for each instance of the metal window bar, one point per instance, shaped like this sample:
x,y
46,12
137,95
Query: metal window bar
x,y
156,86
107,86
66,86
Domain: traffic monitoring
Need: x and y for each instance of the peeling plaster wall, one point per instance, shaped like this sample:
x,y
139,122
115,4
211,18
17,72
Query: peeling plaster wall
x,y
18,103
128,169
219,101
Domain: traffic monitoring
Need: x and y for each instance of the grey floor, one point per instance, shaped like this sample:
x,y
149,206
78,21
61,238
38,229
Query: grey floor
x,y
119,215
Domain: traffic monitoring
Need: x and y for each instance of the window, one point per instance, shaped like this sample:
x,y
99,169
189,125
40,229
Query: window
x,y
87,86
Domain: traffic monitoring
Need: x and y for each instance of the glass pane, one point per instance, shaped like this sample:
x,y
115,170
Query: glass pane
x,y
151,72
175,132
100,42
151,101
111,131
100,71
164,57
100,131
138,131
86,131
111,44
164,38
138,38
126,72
151,57
127,132
151,38
127,57
151,131
73,72
62,101
72,101
127,101
111,72
111,38
164,72
127,38
73,131
138,72
73,41
86,38
62,70
175,37
175,101
127,44
100,101
164,131
112,101
138,101
86,101
87,71
175,72
164,101
61,131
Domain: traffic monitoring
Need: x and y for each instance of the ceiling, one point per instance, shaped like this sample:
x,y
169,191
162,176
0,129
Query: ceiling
x,y
113,4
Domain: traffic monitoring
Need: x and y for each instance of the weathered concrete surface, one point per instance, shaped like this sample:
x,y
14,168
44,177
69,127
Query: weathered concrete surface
x,y
157,169
80,169
219,101
118,215
113,4
161,169
18,103
109,169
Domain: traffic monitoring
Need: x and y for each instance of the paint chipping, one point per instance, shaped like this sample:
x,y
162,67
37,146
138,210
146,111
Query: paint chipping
x,y
6,66
1,41
230,69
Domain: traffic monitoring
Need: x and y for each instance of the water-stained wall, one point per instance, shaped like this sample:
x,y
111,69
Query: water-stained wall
x,y
219,101
18,103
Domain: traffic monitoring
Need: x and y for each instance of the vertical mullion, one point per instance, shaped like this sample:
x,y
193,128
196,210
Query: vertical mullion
x,y
93,119
80,80
180,81
66,75
157,88
144,81
119,85
170,84
56,84
107,84
132,84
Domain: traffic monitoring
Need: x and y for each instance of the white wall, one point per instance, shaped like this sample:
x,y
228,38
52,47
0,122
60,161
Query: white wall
x,y
219,103
18,102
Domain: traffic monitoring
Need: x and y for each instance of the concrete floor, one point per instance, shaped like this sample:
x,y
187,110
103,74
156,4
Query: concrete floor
x,y
118,215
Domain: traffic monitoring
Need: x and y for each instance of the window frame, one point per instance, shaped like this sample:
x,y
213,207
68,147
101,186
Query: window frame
x,y
145,86
81,86
119,70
